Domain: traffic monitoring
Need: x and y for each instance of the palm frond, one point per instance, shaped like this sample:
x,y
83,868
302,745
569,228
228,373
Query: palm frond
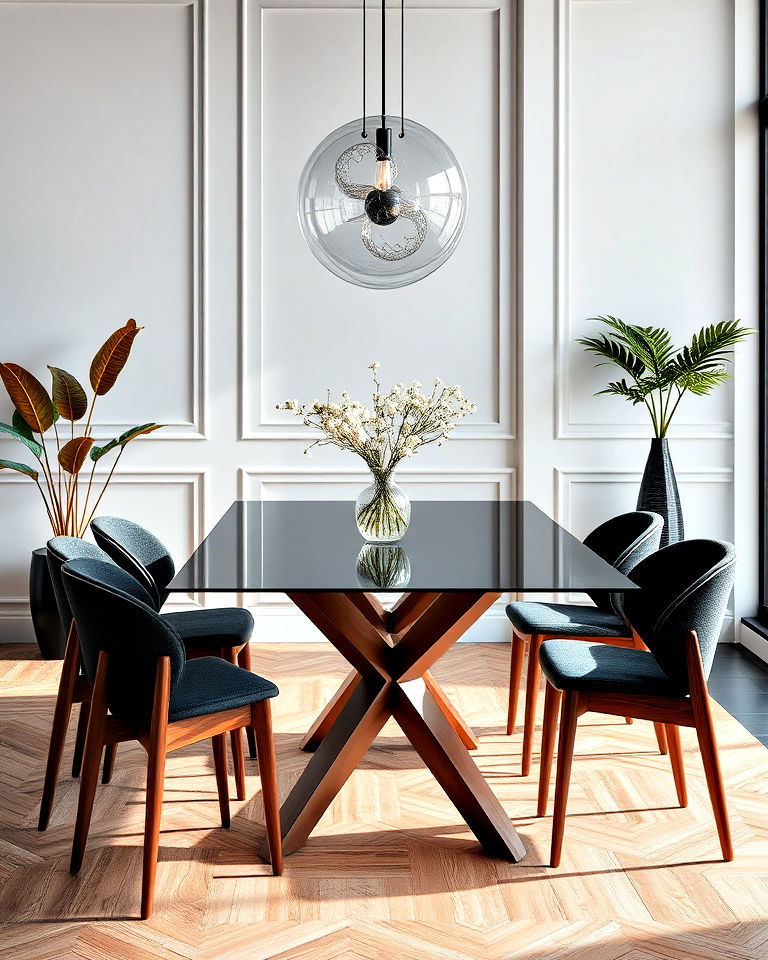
x,y
702,382
652,345
710,347
620,388
612,351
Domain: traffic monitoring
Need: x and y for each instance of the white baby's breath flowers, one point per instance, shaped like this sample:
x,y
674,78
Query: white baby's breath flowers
x,y
398,422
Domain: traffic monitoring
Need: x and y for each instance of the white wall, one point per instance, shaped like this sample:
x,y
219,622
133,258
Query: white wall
x,y
150,157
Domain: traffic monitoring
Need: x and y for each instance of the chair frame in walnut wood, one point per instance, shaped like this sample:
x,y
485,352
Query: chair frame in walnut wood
x,y
533,683
159,738
75,687
673,712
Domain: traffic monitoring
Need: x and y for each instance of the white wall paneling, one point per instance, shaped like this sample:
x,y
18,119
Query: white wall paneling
x,y
151,155
103,186
638,228
643,232
301,79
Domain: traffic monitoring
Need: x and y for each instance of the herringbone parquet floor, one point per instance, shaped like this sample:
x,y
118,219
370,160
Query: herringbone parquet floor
x,y
392,871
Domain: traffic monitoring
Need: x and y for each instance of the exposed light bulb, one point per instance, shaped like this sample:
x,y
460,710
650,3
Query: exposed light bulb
x,y
383,179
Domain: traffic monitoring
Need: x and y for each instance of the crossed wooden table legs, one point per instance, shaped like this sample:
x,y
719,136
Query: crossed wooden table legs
x,y
391,653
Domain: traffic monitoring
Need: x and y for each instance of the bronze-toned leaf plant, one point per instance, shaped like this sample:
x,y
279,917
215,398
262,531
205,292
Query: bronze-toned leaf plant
x,y
68,507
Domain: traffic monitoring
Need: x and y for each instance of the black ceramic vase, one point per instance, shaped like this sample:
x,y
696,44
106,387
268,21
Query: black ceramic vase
x,y
42,605
658,492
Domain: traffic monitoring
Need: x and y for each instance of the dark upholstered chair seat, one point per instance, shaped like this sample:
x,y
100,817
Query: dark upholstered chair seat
x,y
569,619
224,627
210,685
600,667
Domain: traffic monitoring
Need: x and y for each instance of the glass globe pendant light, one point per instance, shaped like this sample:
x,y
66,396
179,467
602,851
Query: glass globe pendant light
x,y
387,213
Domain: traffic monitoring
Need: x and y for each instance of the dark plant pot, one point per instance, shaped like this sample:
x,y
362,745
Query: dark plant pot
x,y
42,605
658,492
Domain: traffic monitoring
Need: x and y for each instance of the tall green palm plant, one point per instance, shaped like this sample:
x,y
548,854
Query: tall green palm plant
x,y
658,373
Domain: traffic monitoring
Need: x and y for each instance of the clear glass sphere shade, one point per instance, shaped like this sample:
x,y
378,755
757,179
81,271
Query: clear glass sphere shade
x,y
431,186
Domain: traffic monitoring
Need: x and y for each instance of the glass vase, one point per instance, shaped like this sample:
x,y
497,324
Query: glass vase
x,y
382,511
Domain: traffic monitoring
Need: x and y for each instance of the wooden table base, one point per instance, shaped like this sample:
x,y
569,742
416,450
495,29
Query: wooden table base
x,y
391,653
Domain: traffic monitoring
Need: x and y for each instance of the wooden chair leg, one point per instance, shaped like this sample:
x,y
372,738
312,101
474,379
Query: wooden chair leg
x,y
94,744
708,746
552,699
156,750
531,696
568,720
661,738
235,737
219,744
238,762
629,720
109,762
265,745
515,675
61,715
676,759
82,727
244,660
705,731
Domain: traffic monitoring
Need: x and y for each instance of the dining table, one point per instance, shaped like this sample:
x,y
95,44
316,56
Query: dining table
x,y
456,560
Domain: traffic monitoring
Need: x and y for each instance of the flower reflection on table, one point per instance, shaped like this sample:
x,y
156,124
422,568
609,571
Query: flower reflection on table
x,y
383,566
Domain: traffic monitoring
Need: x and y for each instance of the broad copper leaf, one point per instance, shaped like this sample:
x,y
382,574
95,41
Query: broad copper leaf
x,y
68,396
111,358
29,396
72,455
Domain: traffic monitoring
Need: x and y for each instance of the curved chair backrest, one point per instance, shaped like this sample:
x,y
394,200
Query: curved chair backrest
x,y
684,586
113,615
138,551
623,542
61,549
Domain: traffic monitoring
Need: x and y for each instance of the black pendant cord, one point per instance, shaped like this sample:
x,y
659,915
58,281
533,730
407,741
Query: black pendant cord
x,y
383,62
365,132
384,67
402,69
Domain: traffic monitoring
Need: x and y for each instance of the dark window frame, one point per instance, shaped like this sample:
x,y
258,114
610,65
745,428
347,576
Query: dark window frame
x,y
761,621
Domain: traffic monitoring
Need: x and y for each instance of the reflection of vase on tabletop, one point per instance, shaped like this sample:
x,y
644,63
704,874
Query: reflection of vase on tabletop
x,y
383,566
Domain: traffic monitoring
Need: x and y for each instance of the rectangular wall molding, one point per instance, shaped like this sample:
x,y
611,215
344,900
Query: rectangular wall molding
x,y
257,411
194,426
568,425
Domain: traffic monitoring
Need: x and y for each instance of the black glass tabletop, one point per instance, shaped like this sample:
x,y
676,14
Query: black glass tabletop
x,y
300,546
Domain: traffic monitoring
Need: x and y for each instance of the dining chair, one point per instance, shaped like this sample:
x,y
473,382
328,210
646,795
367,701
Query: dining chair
x,y
139,551
204,633
623,542
145,689
678,612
